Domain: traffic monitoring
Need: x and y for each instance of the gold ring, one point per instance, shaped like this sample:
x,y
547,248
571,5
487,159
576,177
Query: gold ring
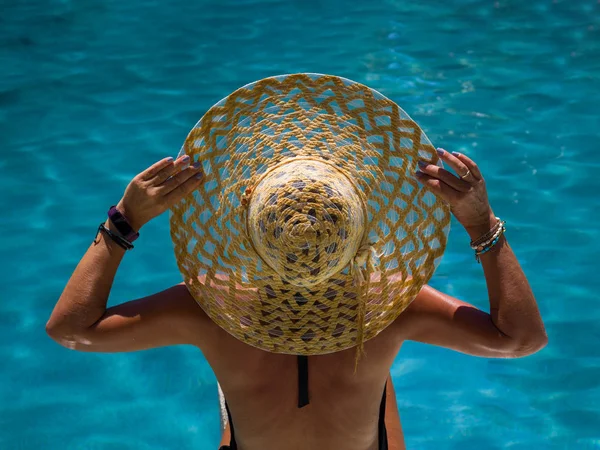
x,y
466,174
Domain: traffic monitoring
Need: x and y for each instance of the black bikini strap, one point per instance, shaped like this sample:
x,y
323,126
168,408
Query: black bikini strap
x,y
303,381
383,441
232,444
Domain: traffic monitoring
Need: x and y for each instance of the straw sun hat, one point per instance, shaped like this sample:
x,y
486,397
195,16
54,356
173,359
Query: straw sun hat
x,y
310,234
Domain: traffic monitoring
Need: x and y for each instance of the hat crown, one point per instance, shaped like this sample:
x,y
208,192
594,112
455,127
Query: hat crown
x,y
306,220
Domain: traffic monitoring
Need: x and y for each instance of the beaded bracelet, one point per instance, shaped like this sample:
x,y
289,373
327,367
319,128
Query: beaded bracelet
x,y
497,231
477,242
483,238
491,245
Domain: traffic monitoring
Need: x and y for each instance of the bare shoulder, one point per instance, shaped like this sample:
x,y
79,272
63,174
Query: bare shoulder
x,y
179,300
176,308
175,304
432,309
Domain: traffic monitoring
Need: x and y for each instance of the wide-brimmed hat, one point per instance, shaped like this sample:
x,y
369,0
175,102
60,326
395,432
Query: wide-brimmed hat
x,y
310,233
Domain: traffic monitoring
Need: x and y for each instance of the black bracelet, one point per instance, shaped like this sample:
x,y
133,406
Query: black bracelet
x,y
120,241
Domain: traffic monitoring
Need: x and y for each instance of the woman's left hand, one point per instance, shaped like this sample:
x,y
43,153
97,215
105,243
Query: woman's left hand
x,y
157,188
466,193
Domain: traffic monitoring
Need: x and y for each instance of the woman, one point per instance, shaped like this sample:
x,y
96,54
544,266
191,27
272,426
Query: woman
x,y
268,395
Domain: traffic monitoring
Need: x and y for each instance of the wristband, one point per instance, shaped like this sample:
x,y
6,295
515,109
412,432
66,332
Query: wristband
x,y
122,225
120,241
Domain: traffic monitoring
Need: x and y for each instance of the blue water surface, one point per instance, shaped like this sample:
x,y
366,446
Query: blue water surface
x,y
92,92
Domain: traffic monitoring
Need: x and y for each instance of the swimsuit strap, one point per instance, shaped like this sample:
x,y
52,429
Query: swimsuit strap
x,y
232,444
303,381
383,440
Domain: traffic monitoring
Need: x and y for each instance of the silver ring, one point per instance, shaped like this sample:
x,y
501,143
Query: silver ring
x,y
466,174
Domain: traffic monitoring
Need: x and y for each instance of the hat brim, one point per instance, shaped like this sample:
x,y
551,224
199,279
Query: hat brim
x,y
368,137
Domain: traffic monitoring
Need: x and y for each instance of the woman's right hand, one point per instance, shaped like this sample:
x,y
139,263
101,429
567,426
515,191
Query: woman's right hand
x,y
466,193
157,188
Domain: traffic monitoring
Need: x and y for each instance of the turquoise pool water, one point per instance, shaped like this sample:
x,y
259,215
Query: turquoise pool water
x,y
92,92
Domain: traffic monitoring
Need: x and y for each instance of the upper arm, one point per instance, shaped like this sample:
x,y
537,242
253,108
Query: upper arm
x,y
439,319
169,317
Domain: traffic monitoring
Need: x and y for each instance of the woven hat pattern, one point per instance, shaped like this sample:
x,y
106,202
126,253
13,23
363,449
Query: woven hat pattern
x,y
309,186
306,221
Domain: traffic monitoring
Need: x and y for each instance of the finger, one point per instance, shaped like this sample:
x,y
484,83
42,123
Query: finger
x,y
162,176
457,165
151,171
470,164
184,189
436,186
445,176
176,181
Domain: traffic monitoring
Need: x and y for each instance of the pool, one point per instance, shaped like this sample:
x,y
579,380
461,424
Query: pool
x,y
93,92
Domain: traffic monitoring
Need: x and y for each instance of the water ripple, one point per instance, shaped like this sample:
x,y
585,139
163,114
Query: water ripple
x,y
92,92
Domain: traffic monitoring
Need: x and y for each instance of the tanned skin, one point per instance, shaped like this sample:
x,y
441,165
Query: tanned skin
x,y
261,387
